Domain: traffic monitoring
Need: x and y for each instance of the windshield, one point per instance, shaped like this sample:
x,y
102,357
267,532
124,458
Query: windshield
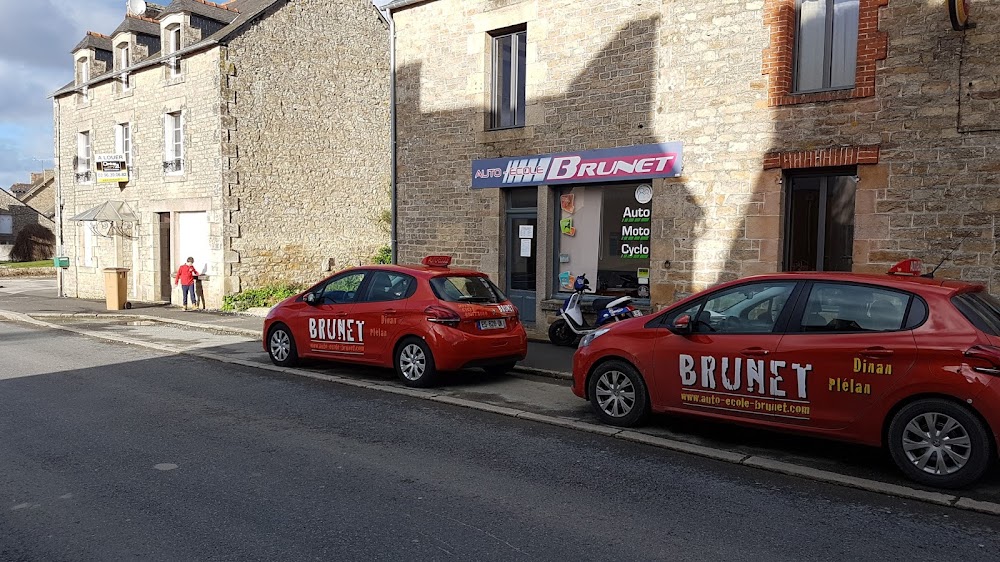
x,y
461,288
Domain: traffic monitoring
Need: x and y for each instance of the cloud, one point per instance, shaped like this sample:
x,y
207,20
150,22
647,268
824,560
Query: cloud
x,y
36,37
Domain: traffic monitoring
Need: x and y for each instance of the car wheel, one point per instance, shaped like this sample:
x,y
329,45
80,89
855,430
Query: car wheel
x,y
415,364
939,443
560,334
619,394
281,346
501,369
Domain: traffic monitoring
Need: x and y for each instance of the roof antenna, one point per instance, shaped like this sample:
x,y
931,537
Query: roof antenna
x,y
930,274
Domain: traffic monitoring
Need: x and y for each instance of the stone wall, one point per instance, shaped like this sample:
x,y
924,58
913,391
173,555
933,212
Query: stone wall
x,y
21,215
150,191
605,74
306,142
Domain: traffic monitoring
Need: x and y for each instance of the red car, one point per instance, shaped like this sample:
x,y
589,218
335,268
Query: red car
x,y
418,319
900,361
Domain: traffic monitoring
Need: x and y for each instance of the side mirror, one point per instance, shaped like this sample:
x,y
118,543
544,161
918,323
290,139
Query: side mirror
x,y
311,298
682,325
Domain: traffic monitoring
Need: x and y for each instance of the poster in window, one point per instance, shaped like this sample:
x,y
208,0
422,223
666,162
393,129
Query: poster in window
x,y
626,217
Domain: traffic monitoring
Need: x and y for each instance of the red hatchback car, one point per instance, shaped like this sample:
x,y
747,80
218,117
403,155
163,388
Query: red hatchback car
x,y
418,319
904,362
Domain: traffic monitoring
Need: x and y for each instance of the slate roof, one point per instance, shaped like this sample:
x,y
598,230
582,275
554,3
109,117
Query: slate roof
x,y
19,188
137,24
94,40
236,14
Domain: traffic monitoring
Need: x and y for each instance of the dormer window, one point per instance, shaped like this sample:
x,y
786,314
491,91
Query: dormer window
x,y
174,45
125,61
83,75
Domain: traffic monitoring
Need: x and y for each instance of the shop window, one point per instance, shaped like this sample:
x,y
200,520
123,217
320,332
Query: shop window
x,y
508,93
826,44
819,230
604,232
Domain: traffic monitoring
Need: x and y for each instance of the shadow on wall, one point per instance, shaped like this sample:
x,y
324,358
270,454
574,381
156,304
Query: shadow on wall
x,y
611,102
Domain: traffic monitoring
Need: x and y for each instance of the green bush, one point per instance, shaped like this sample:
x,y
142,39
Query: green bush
x,y
384,255
268,295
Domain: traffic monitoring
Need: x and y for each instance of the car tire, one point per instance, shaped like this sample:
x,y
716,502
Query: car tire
x,y
918,441
501,369
560,334
414,363
281,346
618,394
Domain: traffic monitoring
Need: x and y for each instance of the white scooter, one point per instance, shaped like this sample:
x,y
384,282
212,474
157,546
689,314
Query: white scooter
x,y
571,325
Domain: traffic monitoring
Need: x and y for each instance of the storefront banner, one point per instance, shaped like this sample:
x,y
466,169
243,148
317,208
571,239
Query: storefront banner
x,y
613,164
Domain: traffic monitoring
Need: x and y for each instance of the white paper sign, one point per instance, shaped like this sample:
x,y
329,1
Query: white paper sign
x,y
526,231
525,247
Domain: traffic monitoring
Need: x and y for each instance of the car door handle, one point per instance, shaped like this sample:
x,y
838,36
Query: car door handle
x,y
875,352
389,312
339,314
755,351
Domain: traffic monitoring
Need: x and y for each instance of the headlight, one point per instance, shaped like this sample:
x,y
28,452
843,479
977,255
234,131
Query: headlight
x,y
593,336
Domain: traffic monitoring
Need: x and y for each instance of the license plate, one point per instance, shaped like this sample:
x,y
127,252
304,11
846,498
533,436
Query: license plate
x,y
636,312
492,324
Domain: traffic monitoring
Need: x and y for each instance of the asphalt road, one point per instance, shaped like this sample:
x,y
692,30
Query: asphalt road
x,y
109,452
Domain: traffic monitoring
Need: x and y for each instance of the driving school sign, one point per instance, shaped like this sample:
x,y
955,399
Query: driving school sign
x,y
613,164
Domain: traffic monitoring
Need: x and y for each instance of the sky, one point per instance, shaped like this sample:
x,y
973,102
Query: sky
x,y
36,37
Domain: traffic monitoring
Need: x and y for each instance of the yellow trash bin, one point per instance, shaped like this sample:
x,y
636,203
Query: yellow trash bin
x,y
116,287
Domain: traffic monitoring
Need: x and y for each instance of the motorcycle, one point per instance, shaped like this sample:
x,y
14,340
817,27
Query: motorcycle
x,y
571,324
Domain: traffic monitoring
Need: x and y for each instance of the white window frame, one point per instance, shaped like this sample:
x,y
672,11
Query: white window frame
x,y
123,141
124,54
173,142
174,45
84,77
84,154
9,230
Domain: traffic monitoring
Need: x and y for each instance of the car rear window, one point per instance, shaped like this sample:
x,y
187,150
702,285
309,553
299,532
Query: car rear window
x,y
981,309
466,288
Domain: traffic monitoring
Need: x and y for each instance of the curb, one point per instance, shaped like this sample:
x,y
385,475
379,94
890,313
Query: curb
x,y
256,334
763,463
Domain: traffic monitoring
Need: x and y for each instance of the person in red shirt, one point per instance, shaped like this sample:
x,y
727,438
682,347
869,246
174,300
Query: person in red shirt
x,y
186,275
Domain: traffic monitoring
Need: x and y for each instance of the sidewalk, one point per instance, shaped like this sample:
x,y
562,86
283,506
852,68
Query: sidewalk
x,y
543,358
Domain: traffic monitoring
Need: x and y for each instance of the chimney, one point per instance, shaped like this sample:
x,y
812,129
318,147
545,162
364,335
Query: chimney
x,y
37,177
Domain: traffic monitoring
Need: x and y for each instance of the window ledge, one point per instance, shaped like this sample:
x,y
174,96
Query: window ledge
x,y
502,135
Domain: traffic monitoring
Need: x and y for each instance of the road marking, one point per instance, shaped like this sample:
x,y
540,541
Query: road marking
x,y
165,466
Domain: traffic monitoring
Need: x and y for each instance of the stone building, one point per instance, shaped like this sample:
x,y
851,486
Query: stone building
x,y
252,136
14,216
661,147
40,193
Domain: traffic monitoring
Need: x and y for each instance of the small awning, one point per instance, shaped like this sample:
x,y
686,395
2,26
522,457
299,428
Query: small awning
x,y
111,211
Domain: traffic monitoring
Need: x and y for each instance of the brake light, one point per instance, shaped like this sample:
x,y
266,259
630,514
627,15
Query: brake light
x,y
987,353
442,315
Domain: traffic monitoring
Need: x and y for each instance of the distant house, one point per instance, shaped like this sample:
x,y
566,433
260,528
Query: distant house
x,y
40,193
14,216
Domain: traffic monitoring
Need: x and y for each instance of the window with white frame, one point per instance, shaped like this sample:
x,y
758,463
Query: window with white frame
x,y
83,157
124,52
173,143
826,44
174,45
123,142
87,240
83,71
6,224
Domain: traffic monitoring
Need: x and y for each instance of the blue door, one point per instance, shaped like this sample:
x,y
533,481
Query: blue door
x,y
522,239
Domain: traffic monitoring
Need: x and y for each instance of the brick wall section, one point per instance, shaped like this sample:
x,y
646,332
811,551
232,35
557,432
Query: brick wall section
x,y
779,16
822,158
306,141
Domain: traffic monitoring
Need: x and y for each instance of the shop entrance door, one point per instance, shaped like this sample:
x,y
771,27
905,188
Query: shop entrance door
x,y
521,251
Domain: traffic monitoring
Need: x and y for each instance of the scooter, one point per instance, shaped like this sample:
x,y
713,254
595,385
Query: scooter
x,y
571,325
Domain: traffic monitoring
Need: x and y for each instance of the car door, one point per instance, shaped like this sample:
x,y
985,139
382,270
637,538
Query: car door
x,y
729,365
382,304
852,338
331,322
